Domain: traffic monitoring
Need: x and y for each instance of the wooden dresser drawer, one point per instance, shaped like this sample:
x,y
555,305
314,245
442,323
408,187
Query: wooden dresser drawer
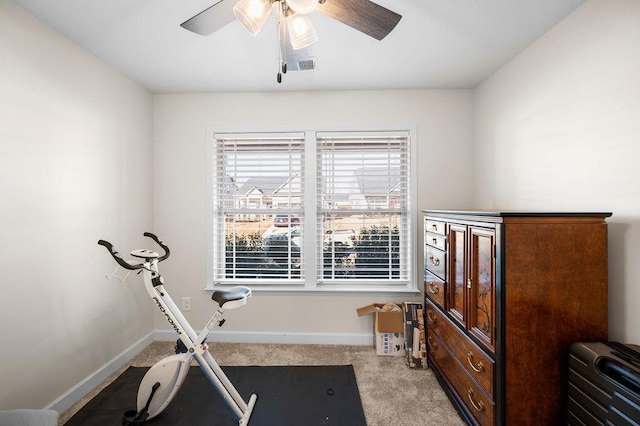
x,y
434,261
434,226
435,240
479,404
435,289
477,363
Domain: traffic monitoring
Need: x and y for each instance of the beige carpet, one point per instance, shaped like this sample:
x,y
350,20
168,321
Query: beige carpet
x,y
391,393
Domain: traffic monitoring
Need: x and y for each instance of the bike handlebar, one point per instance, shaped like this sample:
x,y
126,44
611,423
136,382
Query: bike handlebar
x,y
116,256
161,244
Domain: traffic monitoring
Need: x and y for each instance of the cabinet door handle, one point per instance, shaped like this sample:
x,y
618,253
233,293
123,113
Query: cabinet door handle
x,y
433,345
430,316
434,260
479,406
480,365
433,289
468,282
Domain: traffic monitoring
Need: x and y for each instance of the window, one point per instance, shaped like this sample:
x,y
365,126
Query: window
x,y
363,215
258,193
312,210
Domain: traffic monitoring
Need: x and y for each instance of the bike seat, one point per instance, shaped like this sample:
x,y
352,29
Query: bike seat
x,y
233,298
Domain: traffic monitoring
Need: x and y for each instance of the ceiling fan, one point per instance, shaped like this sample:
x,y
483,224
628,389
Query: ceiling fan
x,y
295,29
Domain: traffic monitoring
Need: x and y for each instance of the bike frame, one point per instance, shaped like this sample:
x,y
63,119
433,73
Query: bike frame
x,y
195,344
163,380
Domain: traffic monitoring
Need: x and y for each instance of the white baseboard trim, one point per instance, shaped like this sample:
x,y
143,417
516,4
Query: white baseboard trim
x,y
74,394
282,338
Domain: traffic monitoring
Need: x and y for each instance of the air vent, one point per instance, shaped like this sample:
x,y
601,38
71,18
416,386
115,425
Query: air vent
x,y
307,64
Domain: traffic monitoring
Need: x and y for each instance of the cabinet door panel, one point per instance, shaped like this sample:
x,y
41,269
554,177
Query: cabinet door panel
x,y
482,285
457,275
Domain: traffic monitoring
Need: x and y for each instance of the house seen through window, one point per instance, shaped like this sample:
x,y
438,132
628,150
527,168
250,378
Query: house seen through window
x,y
312,210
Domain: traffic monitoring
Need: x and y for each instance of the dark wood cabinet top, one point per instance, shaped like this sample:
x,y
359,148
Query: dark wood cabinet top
x,y
500,216
515,213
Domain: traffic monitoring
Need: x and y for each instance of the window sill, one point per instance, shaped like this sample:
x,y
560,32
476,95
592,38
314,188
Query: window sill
x,y
299,290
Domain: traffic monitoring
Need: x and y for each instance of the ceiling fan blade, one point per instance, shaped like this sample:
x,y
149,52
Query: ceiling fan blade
x,y
211,19
363,15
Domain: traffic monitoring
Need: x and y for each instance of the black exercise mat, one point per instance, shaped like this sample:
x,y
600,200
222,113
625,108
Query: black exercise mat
x,y
287,395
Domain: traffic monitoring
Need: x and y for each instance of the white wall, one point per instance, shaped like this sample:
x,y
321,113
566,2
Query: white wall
x,y
75,166
557,129
181,122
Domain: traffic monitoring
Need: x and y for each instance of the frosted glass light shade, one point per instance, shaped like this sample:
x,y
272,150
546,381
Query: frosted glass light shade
x,y
301,31
302,6
252,14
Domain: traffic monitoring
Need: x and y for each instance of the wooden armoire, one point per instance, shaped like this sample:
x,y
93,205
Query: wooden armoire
x,y
506,294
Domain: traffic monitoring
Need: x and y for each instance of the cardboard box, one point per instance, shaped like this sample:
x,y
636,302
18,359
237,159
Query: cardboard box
x,y
388,330
416,347
389,344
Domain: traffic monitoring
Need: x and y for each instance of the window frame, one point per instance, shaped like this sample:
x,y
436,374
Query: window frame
x,y
310,244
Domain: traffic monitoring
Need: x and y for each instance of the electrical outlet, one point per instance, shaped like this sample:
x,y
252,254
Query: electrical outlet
x,y
186,303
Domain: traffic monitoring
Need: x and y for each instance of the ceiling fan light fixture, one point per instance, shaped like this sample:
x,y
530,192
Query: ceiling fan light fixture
x,y
301,31
302,6
252,14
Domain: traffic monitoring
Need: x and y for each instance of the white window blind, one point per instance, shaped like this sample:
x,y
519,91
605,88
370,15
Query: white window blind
x,y
346,227
258,194
363,207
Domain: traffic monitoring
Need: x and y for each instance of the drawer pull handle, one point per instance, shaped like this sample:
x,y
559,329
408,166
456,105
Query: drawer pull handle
x,y
479,368
434,260
433,345
435,241
433,289
479,406
435,227
430,316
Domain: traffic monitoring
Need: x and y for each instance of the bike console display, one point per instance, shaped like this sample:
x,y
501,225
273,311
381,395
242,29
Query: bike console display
x,y
144,254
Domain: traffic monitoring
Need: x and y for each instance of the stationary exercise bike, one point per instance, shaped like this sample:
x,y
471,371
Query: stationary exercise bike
x,y
162,382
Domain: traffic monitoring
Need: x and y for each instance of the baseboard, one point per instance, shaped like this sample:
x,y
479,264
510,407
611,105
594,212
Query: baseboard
x,y
282,338
74,394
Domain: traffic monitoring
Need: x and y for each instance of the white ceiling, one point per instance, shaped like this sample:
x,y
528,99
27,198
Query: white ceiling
x,y
437,44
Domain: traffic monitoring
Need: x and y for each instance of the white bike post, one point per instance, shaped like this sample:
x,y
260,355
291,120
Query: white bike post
x,y
163,380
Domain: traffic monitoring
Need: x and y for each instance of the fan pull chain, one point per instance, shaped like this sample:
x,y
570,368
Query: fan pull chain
x,y
281,28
